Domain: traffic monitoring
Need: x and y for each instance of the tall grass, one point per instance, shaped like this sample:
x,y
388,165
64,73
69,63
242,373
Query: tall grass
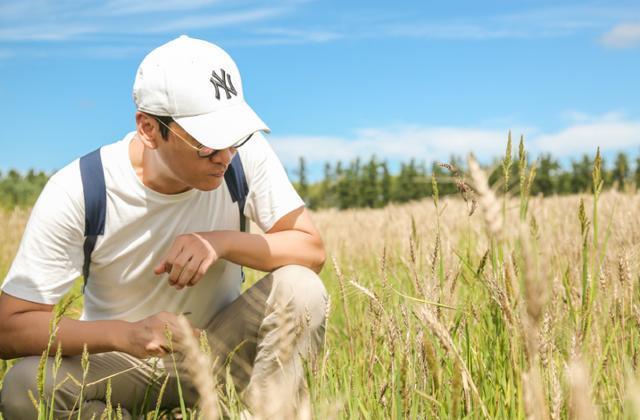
x,y
527,308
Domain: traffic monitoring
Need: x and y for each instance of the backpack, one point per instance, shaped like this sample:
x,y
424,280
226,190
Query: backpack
x,y
95,200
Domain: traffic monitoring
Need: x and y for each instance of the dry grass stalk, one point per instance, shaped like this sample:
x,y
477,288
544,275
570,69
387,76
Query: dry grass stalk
x,y
430,361
413,266
343,296
535,297
535,294
380,314
556,391
535,405
198,366
633,396
278,398
545,346
500,297
427,316
12,224
487,199
580,404
457,386
466,192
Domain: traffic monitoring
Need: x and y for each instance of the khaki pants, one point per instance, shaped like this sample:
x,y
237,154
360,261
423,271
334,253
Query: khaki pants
x,y
263,353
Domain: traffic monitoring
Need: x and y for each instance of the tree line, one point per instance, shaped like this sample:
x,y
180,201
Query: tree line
x,y
21,190
371,183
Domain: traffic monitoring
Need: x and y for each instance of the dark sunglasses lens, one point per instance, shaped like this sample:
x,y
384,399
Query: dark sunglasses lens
x,y
205,152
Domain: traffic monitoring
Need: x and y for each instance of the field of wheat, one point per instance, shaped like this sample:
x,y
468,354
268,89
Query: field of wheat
x,y
488,307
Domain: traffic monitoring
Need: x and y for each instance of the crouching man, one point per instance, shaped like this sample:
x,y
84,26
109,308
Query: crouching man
x,y
156,224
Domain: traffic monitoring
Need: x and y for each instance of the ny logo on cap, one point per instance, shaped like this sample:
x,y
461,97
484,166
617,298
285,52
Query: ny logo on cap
x,y
223,82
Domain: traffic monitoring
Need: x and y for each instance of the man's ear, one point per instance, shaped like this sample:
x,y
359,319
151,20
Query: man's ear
x,y
148,130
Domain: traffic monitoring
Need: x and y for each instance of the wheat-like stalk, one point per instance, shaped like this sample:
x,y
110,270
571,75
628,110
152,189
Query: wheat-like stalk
x,y
427,316
580,403
489,204
198,366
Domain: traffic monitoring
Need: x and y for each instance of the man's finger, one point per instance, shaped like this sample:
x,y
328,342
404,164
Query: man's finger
x,y
166,264
179,265
188,273
198,274
202,270
162,267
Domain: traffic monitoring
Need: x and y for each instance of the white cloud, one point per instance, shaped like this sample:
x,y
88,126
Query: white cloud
x,y
69,19
58,21
555,21
214,20
624,35
278,36
610,132
46,32
394,143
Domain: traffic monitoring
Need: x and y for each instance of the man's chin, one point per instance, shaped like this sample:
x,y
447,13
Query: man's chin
x,y
211,183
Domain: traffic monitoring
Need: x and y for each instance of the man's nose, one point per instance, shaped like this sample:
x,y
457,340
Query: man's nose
x,y
224,155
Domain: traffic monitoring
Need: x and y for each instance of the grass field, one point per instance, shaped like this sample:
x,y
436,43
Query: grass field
x,y
528,308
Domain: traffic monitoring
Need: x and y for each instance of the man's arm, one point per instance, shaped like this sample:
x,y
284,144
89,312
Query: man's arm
x,y
24,331
293,239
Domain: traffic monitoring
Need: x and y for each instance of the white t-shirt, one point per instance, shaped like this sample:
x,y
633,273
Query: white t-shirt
x,y
141,225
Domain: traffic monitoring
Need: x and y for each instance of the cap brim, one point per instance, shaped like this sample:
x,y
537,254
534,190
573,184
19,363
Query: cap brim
x,y
223,128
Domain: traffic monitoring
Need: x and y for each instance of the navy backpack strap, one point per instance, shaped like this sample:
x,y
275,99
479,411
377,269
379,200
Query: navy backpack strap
x,y
95,205
238,188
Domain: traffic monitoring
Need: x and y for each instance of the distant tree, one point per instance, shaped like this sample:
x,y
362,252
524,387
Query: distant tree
x,y
547,173
21,191
621,170
581,174
407,188
423,181
370,187
636,174
326,187
354,183
343,187
564,182
386,184
303,186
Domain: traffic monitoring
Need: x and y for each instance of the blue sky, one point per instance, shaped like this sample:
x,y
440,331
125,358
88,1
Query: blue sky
x,y
335,79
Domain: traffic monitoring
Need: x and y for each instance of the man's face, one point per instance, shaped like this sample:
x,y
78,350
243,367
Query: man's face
x,y
180,157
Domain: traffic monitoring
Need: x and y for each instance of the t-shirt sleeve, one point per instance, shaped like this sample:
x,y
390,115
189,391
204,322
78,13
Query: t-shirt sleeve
x,y
50,256
271,195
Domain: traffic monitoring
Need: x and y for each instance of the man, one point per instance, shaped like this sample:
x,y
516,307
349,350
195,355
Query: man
x,y
171,245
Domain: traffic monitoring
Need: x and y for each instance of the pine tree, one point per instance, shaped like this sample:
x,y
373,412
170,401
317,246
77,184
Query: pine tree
x,y
354,183
343,194
581,175
303,187
621,170
386,184
546,178
370,187
326,188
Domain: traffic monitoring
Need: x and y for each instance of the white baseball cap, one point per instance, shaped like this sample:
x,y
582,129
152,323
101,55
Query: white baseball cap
x,y
198,84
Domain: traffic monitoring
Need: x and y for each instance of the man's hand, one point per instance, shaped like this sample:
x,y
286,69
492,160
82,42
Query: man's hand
x,y
148,337
188,259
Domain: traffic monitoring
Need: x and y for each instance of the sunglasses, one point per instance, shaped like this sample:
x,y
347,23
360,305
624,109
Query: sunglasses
x,y
202,150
